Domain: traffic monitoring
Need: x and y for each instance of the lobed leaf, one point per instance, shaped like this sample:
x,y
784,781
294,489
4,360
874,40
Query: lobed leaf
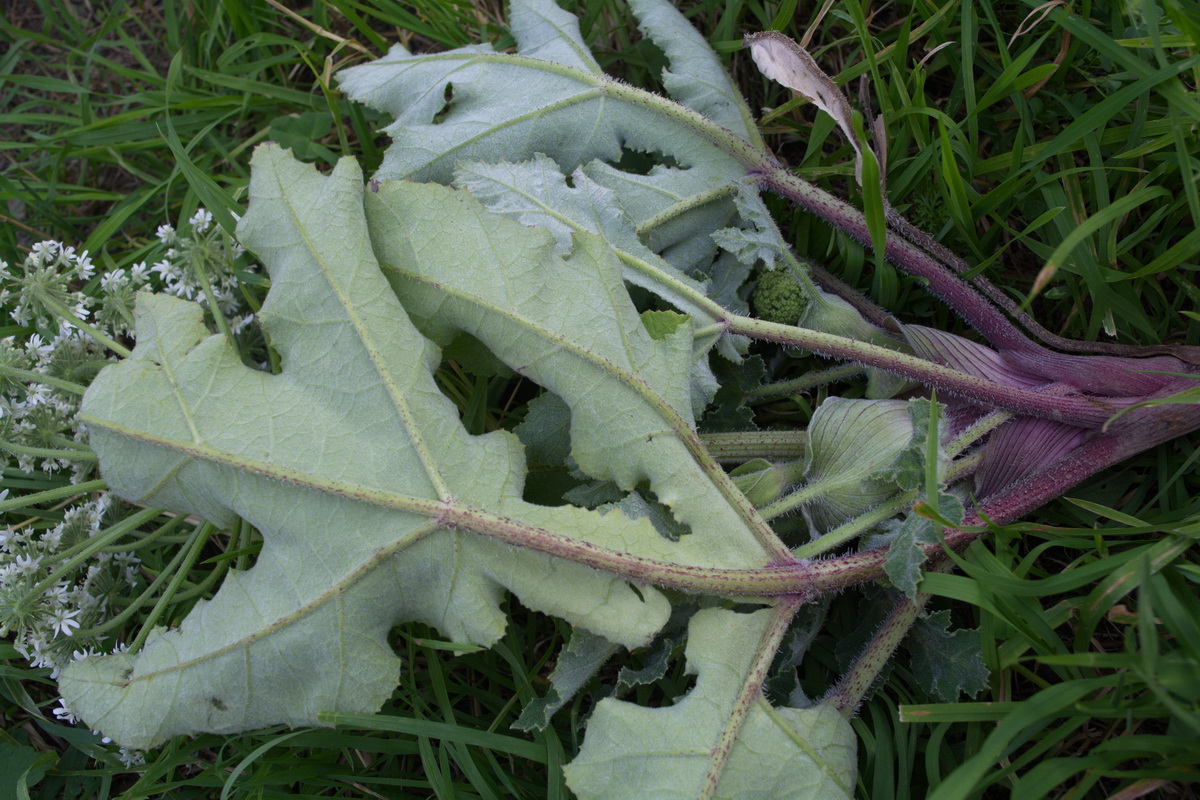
x,y
635,752
946,662
567,108
570,326
350,463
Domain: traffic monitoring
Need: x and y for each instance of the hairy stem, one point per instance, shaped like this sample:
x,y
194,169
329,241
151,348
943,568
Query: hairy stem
x,y
977,311
810,380
856,527
935,248
1086,412
781,617
732,448
849,692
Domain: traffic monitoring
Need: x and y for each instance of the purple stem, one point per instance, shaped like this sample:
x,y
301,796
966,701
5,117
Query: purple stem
x,y
1105,375
978,312
993,293
1086,412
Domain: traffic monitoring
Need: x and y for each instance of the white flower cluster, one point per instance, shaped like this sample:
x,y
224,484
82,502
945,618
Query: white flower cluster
x,y
204,257
75,315
38,422
46,276
42,611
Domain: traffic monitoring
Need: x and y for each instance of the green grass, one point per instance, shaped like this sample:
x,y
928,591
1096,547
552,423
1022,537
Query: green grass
x,y
1071,144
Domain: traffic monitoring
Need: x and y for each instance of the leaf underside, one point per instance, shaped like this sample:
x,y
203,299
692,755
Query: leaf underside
x,y
667,752
377,507
343,462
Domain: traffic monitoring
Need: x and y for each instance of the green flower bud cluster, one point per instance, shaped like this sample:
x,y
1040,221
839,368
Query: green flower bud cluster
x,y
778,297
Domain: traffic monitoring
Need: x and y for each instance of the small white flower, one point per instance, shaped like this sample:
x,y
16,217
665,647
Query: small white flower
x,y
84,264
138,274
165,234
65,714
39,394
241,323
113,281
28,564
44,252
131,758
52,539
200,220
80,655
164,269
37,347
64,621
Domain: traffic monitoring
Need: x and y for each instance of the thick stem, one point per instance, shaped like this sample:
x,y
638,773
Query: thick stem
x,y
1086,412
70,490
781,617
794,500
855,527
977,430
935,248
977,311
76,556
732,448
45,452
809,380
877,316
66,315
854,685
37,377
214,307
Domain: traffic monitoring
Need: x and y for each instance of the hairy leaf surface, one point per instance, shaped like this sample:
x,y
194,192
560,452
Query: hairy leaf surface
x,y
670,752
566,108
352,465
570,326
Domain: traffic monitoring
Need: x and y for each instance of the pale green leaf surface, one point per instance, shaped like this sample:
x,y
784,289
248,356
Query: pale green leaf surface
x,y
546,32
344,462
550,97
675,209
631,751
758,239
696,78
536,193
570,326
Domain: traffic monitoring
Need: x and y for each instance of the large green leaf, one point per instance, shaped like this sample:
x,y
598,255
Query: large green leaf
x,y
716,733
549,97
355,469
551,101
570,326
